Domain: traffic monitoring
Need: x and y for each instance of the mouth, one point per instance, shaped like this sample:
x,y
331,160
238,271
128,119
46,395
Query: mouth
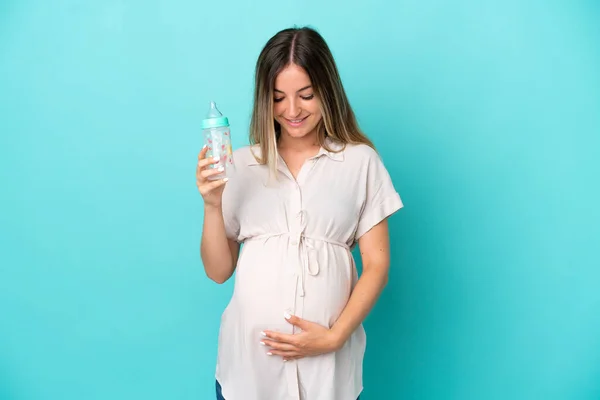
x,y
295,122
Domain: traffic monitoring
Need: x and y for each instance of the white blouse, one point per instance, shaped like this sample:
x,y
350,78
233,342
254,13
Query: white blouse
x,y
297,235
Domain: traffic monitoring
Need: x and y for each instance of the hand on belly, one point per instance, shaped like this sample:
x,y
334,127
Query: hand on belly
x,y
312,340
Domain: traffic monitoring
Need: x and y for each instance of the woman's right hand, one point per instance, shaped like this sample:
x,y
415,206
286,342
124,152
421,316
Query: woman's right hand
x,y
211,191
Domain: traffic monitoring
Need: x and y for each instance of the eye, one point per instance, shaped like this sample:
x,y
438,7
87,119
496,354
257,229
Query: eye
x,y
309,97
278,100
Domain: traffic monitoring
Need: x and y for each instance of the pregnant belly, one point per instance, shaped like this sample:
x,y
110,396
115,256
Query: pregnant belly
x,y
268,283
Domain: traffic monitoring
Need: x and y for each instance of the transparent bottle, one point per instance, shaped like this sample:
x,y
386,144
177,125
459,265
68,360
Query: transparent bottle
x,y
217,138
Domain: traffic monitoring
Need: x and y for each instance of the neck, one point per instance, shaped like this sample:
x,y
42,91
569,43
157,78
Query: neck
x,y
305,143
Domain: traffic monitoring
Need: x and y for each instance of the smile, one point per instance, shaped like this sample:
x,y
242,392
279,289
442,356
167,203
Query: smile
x,y
295,122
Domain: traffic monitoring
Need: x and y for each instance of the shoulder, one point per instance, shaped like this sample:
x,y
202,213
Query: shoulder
x,y
367,161
360,153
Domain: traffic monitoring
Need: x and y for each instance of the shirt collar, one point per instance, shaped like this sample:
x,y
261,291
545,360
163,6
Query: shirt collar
x,y
337,153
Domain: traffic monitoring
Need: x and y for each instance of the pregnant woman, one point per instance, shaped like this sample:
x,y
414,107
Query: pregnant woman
x,y
308,188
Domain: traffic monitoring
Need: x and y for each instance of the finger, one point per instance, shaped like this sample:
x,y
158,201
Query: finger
x,y
283,353
202,153
279,346
203,163
280,337
209,187
210,172
289,358
296,321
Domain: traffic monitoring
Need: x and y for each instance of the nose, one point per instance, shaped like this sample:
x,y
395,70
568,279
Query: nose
x,y
294,109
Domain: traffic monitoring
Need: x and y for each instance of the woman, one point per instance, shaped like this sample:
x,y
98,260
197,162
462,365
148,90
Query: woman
x,y
309,188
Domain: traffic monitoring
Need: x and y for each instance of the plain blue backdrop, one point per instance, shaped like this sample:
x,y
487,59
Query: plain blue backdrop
x,y
486,113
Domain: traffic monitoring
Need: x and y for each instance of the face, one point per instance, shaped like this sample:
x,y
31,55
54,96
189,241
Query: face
x,y
295,106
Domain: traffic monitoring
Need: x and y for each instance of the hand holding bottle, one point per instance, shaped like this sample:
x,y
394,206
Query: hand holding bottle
x,y
215,161
206,170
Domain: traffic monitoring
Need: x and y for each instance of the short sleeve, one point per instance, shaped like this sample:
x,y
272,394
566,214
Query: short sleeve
x,y
381,199
230,205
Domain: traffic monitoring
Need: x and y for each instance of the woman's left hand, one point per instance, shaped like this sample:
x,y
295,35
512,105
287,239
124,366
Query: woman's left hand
x,y
314,339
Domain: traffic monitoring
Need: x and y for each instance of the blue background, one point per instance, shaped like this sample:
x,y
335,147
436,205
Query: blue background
x,y
486,113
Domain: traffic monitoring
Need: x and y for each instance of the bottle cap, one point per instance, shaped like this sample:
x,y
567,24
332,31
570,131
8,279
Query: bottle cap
x,y
214,118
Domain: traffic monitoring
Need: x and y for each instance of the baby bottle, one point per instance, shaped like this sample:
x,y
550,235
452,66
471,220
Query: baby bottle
x,y
217,138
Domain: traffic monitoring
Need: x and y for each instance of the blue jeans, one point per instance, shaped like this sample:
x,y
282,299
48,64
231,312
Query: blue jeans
x,y
220,396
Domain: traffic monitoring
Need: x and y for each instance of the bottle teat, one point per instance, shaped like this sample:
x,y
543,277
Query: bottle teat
x,y
213,112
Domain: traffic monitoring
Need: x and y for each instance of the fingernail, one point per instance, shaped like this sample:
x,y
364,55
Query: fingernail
x,y
221,169
287,315
284,360
225,179
203,147
216,159
263,334
263,343
269,354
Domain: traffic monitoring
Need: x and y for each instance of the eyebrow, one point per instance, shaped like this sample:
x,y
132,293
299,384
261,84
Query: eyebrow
x,y
304,88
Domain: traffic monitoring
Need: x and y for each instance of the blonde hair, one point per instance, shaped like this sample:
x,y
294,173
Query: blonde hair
x,y
307,49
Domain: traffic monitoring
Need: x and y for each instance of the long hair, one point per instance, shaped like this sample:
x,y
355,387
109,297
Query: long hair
x,y
307,49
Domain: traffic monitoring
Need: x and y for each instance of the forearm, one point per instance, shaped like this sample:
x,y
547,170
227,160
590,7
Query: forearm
x,y
364,296
215,251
